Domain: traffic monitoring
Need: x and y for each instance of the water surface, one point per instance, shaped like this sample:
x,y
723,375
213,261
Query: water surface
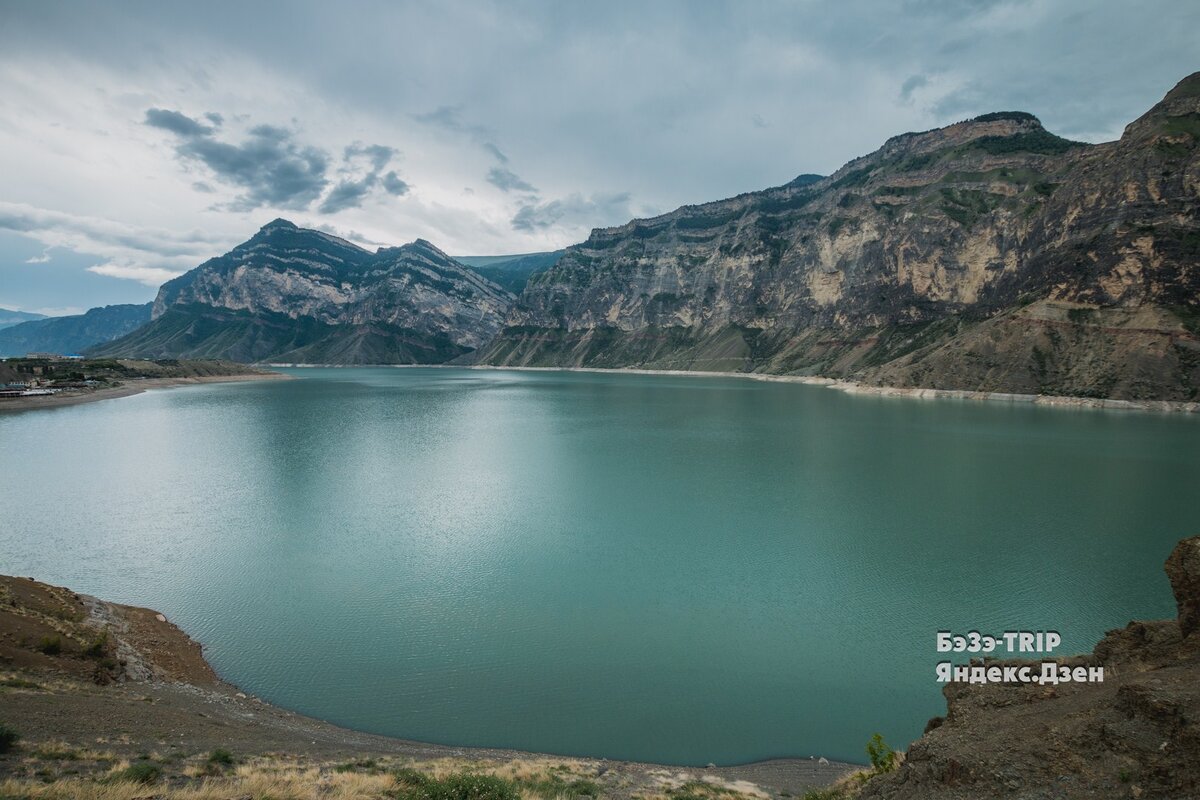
x,y
662,568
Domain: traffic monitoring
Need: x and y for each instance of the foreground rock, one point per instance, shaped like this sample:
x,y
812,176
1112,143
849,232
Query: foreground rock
x,y
990,255
1137,734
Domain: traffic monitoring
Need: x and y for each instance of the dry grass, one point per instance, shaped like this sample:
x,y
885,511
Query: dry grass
x,y
278,783
60,771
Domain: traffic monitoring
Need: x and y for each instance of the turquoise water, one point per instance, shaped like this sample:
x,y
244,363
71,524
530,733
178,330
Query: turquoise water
x,y
670,568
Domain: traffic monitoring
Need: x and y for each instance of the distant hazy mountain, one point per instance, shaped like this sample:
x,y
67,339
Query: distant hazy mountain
x,y
8,317
295,295
987,255
511,272
74,333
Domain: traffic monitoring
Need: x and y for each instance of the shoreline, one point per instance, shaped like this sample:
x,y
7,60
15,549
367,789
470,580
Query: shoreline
x,y
853,387
128,388
165,682
839,384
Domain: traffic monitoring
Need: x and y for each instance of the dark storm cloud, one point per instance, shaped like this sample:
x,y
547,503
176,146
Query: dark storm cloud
x,y
508,181
347,194
597,210
272,168
269,166
377,155
669,102
368,162
392,184
176,123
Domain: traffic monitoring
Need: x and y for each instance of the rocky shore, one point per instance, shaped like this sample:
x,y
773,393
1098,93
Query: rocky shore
x,y
853,387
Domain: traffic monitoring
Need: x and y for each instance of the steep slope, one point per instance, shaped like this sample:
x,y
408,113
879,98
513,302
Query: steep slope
x,y
296,295
987,255
74,333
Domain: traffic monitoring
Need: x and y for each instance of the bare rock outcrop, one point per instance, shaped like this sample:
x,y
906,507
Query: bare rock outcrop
x,y
1134,735
1183,568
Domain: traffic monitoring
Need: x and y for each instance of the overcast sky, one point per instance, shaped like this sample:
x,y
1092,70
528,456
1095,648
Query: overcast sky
x,y
138,139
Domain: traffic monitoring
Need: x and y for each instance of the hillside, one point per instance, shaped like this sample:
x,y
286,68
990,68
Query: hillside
x,y
511,272
302,296
988,255
74,333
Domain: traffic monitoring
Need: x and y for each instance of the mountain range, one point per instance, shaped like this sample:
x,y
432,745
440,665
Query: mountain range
x,y
74,333
986,255
9,317
302,296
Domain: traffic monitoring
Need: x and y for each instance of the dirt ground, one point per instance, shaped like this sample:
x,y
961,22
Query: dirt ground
x,y
129,387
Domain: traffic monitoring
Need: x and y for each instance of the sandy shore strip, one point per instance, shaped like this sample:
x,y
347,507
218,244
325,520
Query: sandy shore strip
x,y
852,387
130,387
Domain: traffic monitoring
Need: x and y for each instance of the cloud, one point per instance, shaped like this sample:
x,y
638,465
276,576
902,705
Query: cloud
x,y
392,184
42,259
269,166
351,235
366,162
175,122
579,99
574,210
148,255
496,152
273,169
149,276
377,155
347,194
450,118
911,84
507,181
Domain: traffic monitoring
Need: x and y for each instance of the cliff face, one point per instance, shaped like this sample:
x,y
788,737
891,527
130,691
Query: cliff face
x,y
296,295
987,255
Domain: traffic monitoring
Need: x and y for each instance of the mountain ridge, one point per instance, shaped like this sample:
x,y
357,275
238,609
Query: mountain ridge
x,y
988,255
290,294
73,333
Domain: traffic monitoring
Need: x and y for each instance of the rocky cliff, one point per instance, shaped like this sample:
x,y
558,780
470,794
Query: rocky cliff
x,y
1136,734
296,295
987,255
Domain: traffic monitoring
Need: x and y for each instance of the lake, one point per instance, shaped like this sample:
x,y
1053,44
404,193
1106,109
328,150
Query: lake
x,y
665,568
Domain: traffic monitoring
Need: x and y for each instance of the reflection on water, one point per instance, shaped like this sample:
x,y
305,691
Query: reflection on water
x,y
653,567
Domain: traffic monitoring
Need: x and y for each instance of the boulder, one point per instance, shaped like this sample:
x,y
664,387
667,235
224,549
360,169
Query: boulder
x,y
1183,570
